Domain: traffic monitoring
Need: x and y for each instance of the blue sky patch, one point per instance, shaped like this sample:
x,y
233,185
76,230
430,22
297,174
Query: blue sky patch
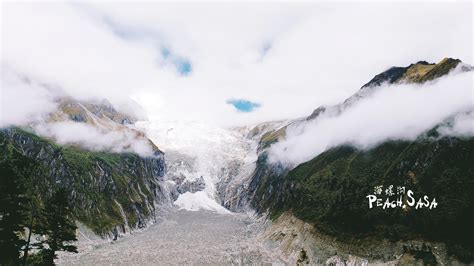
x,y
183,65
165,52
243,105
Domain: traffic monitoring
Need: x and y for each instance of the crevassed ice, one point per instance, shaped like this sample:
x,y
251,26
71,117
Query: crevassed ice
x,y
212,149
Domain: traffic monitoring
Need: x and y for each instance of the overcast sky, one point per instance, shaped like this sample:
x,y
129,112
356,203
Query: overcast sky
x,y
201,61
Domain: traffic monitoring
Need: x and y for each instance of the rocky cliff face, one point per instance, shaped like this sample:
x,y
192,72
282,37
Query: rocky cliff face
x,y
302,243
101,116
89,112
111,193
329,191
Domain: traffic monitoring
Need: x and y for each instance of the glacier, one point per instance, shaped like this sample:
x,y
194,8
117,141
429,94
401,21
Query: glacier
x,y
204,165
197,150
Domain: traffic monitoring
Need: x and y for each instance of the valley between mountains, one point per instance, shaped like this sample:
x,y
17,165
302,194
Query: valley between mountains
x,y
186,192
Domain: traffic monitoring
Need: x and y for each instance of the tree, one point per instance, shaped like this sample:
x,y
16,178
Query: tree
x,y
12,215
58,227
31,225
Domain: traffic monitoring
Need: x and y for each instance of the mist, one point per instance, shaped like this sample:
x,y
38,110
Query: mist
x,y
23,100
394,112
461,126
95,139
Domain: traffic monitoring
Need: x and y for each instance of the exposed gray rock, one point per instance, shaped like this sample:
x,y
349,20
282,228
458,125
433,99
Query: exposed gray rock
x,y
95,183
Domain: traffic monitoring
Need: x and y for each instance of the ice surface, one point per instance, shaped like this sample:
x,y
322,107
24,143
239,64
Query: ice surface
x,y
194,150
199,201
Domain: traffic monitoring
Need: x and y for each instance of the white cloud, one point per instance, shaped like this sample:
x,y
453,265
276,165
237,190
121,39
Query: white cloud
x,y
462,126
395,112
92,138
28,102
320,53
23,100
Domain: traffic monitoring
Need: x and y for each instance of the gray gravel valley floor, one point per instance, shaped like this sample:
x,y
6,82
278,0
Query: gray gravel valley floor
x,y
184,238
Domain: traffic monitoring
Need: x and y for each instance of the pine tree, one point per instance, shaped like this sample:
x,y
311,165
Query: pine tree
x,y
31,225
12,216
58,226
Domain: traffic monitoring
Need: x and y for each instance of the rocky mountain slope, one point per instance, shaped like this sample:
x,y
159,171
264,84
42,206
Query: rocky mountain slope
x,y
417,73
329,192
95,113
112,192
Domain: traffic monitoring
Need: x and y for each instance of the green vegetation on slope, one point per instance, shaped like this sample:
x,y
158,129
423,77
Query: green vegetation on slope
x,y
44,215
97,181
330,191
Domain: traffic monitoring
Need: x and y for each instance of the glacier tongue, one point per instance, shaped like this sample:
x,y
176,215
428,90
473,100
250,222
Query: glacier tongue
x,y
198,157
199,201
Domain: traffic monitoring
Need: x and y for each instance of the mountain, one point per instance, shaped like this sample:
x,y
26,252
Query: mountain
x,y
100,115
96,113
330,191
419,72
112,192
319,208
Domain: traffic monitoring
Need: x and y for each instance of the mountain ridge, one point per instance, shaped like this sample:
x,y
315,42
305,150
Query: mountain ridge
x,y
344,175
410,74
100,115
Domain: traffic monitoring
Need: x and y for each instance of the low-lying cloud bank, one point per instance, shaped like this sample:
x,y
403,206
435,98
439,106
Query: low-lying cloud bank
x,y
461,126
394,112
95,139
26,102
